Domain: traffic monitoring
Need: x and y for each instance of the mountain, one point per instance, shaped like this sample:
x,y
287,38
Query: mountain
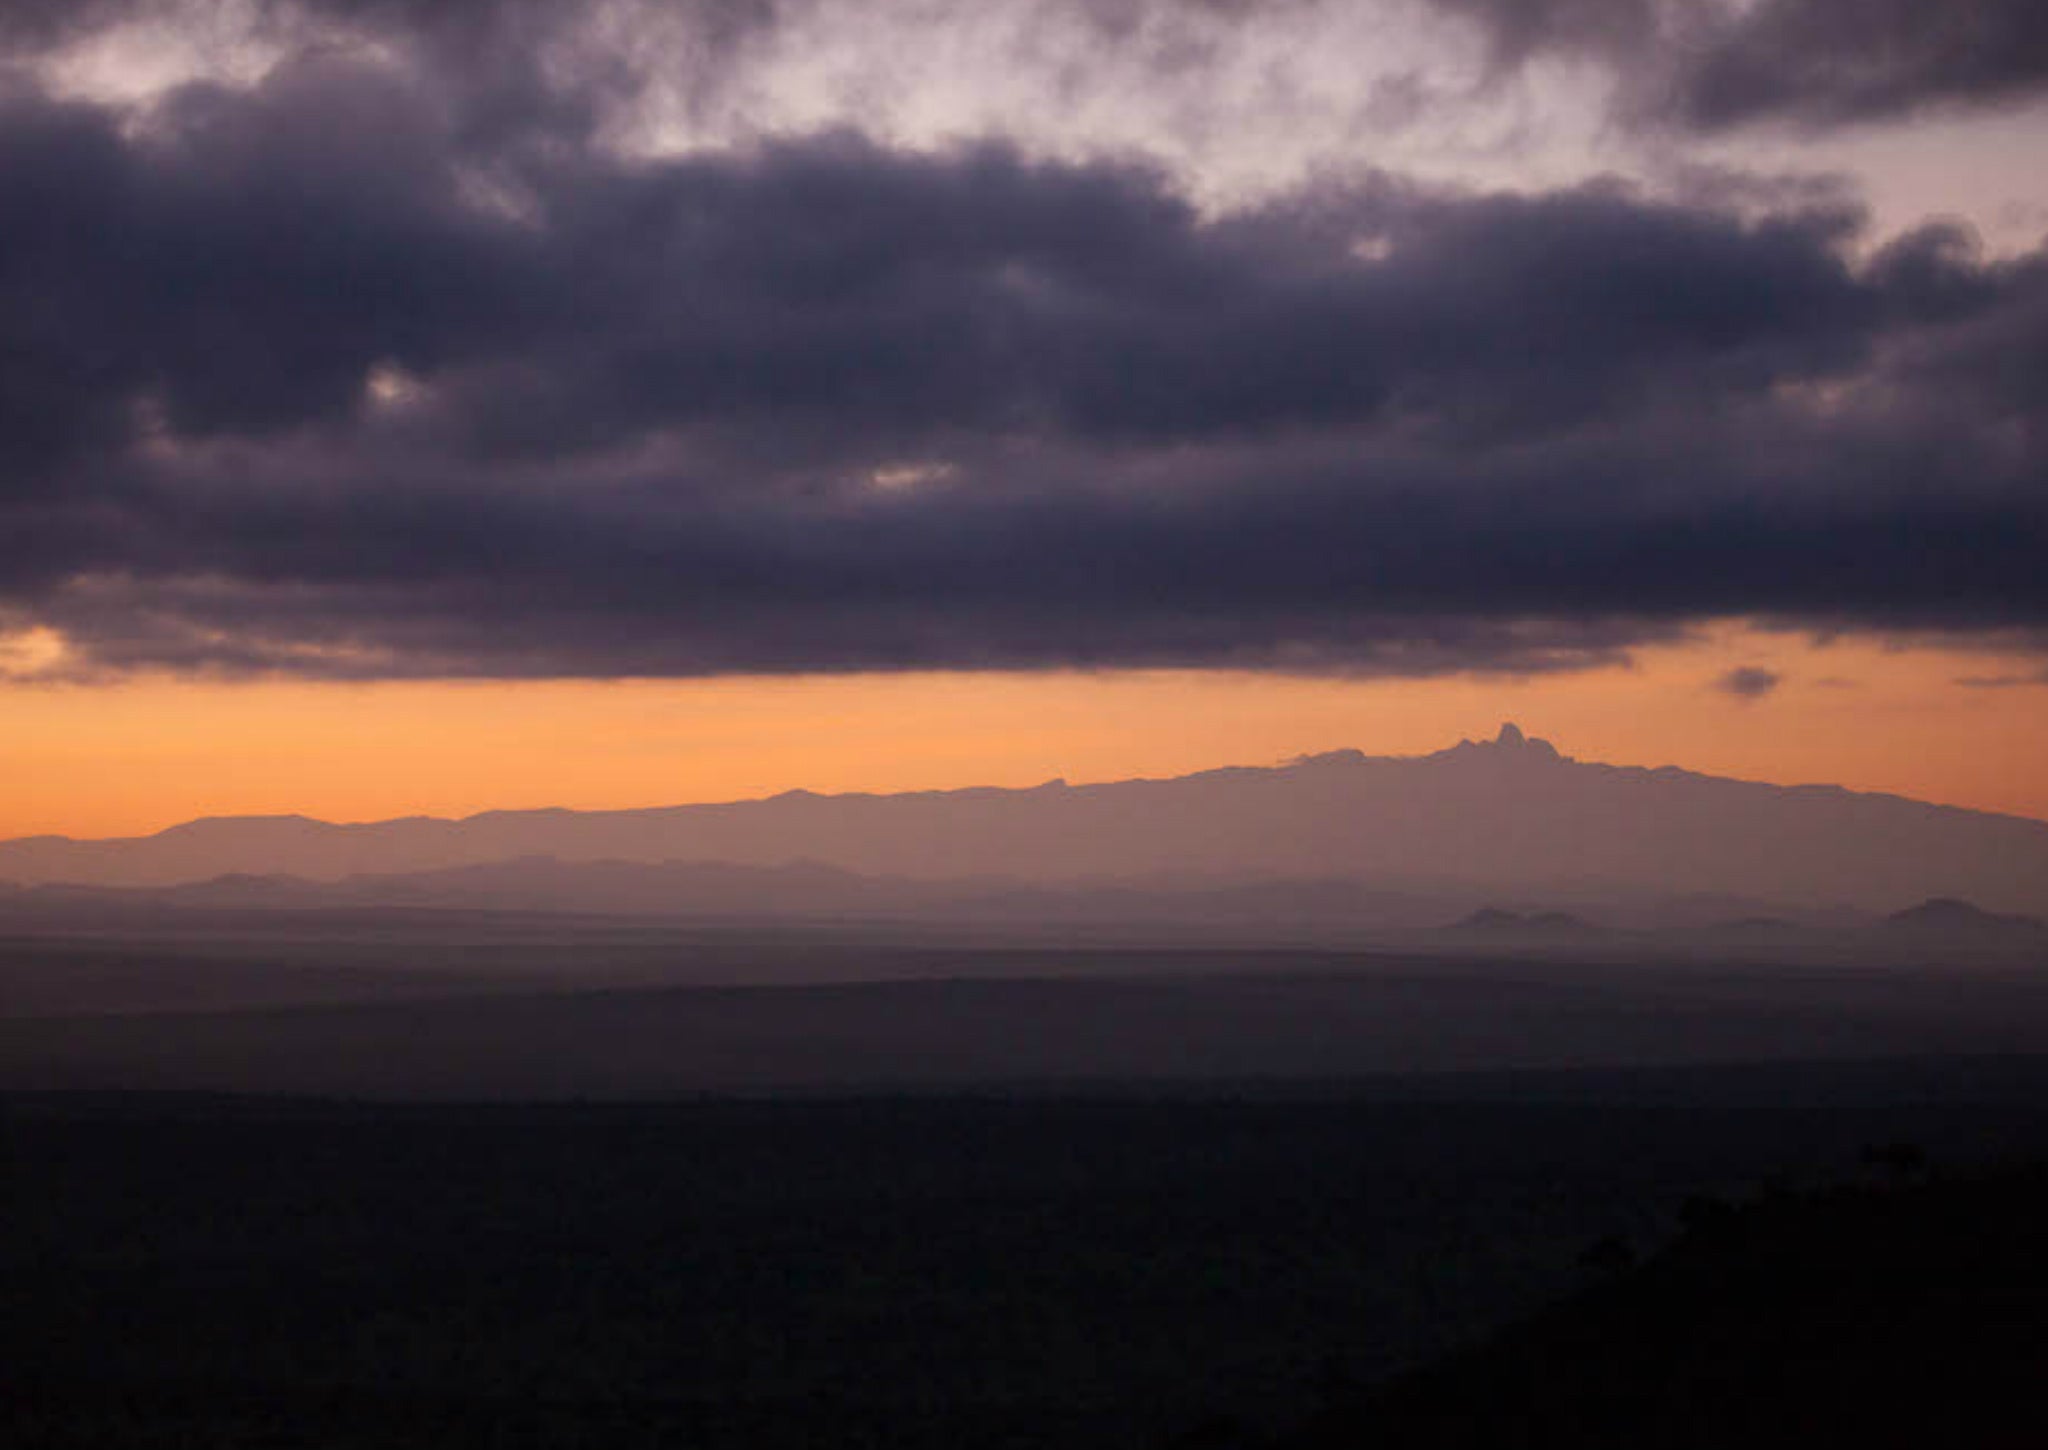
x,y
529,884
1947,916
1495,922
720,893
1512,817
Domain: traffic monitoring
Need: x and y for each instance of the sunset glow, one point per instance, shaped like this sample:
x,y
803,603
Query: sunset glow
x,y
133,758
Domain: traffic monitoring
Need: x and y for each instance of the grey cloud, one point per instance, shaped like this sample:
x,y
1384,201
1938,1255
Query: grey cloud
x,y
1710,64
244,266
818,404
1828,61
534,71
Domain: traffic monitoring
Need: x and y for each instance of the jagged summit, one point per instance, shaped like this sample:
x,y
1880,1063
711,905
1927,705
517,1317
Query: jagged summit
x,y
1512,739
1510,744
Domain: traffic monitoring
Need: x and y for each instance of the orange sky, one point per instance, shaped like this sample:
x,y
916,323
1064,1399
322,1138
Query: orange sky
x,y
131,758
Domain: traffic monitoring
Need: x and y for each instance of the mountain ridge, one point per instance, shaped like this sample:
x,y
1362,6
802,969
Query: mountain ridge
x,y
1345,755
1512,813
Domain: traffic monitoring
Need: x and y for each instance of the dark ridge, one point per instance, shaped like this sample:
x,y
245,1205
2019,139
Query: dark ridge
x,y
1552,923
1508,820
1947,913
1899,1311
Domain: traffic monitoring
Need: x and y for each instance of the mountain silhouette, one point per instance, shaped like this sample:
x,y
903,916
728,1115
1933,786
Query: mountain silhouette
x,y
1493,920
1947,915
1511,816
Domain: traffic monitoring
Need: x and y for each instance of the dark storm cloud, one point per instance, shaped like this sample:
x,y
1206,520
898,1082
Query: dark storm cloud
x,y
1710,64
242,267
354,372
1821,61
1323,577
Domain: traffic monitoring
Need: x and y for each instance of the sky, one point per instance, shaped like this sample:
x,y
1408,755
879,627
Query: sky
x,y
420,407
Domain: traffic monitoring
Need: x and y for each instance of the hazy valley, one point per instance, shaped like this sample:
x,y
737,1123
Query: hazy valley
x,y
1081,1116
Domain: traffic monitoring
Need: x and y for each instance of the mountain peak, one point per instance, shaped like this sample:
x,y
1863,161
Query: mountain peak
x,y
1512,743
1510,747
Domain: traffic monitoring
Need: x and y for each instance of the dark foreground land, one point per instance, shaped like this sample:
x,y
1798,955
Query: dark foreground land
x,y
396,1011
1239,1267
1912,1313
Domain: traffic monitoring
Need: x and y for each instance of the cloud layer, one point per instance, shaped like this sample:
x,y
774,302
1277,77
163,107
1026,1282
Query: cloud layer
x,y
391,359
1713,64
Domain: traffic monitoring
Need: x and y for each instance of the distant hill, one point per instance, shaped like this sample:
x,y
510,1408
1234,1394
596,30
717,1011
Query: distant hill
x,y
1948,916
1508,818
721,891
1492,921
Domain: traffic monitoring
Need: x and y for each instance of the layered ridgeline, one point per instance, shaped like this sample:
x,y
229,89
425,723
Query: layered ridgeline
x,y
1511,816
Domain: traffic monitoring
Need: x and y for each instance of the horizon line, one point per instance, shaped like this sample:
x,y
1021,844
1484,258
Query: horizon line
x,y
1509,735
